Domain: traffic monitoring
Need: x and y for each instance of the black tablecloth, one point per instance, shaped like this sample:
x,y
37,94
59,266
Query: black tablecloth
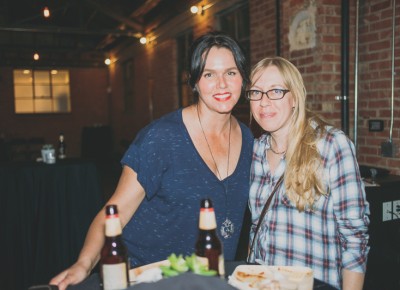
x,y
184,282
45,211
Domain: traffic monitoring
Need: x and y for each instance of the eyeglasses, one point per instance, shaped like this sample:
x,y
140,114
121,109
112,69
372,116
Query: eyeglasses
x,y
274,94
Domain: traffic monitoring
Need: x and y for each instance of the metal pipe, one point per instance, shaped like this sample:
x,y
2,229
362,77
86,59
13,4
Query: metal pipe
x,y
67,30
345,67
278,27
356,79
393,71
106,10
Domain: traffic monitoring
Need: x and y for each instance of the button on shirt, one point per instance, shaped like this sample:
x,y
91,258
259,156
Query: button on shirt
x,y
327,238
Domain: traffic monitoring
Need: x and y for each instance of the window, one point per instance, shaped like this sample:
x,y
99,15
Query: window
x,y
183,43
129,100
235,22
41,91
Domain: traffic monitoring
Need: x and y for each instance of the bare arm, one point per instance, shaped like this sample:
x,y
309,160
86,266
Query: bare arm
x,y
127,196
352,280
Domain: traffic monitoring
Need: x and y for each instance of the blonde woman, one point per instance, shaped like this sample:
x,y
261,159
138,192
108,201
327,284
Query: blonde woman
x,y
318,216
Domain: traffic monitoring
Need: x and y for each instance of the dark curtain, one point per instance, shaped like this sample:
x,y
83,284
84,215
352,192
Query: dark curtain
x,y
45,212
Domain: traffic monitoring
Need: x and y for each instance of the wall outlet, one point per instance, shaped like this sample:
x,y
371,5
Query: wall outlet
x,y
388,149
387,211
396,209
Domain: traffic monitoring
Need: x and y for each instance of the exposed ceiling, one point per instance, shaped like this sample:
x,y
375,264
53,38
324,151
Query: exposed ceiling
x,y
78,32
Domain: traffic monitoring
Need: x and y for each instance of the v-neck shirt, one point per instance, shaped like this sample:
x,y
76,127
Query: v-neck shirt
x,y
175,179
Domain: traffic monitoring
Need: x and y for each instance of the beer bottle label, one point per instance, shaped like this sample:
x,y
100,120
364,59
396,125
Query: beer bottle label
x,y
221,266
114,276
207,220
113,226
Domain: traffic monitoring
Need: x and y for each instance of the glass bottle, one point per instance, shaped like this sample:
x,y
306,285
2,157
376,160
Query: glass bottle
x,y
208,248
114,256
62,153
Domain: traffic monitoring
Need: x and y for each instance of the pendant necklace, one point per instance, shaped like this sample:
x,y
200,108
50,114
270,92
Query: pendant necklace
x,y
273,151
227,227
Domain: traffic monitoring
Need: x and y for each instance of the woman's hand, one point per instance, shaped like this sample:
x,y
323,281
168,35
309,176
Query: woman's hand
x,y
73,275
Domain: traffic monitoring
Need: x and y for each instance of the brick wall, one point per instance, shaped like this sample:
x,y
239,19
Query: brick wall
x,y
375,81
321,65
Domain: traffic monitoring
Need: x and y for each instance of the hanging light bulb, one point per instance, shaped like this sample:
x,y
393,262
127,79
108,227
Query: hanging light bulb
x,y
200,9
36,56
107,61
194,9
143,40
46,12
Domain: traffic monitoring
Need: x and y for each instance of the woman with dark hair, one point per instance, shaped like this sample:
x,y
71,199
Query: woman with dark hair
x,y
196,152
200,49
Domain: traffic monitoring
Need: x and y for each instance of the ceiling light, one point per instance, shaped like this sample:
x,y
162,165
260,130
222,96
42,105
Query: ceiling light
x,y
46,12
199,9
36,56
107,61
143,40
194,9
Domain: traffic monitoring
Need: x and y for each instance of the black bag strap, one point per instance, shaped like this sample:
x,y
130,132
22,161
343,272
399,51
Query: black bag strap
x,y
264,211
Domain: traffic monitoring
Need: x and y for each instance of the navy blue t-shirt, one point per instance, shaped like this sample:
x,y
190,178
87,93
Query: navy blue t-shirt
x,y
175,179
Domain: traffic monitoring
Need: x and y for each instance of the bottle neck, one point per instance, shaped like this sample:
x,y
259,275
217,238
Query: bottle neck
x,y
207,219
113,226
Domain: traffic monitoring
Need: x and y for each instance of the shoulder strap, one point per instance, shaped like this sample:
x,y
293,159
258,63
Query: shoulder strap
x,y
263,212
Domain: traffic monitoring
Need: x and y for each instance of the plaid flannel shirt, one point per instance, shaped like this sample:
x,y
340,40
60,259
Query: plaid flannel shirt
x,y
327,238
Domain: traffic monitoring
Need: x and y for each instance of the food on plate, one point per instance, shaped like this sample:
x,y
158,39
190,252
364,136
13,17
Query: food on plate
x,y
198,267
137,275
173,266
150,275
270,285
179,265
293,273
251,276
261,277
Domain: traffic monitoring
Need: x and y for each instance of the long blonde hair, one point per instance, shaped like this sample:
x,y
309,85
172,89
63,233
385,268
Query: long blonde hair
x,y
303,179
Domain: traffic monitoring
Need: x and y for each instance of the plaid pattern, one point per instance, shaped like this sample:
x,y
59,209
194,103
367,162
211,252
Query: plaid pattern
x,y
330,236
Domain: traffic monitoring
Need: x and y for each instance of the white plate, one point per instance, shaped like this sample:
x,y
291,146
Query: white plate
x,y
251,277
147,273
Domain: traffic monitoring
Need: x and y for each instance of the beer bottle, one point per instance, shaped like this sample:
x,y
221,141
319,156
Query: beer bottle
x,y
61,147
114,257
208,248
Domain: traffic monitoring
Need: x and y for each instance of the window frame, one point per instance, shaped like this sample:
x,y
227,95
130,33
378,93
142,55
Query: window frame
x,y
40,91
128,76
239,14
183,44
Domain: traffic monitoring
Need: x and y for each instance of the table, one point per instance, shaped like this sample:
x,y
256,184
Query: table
x,y
45,211
384,256
184,281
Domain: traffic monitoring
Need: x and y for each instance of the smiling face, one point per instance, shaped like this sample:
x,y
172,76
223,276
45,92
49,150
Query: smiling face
x,y
220,84
273,116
